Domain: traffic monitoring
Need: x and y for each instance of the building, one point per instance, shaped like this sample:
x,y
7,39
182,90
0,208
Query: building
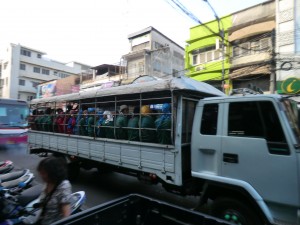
x,y
203,53
288,47
152,53
104,75
248,49
24,68
252,39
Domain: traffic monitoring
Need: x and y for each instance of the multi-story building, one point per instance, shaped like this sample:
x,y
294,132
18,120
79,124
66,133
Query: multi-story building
x,y
152,53
288,46
252,39
203,53
23,68
247,49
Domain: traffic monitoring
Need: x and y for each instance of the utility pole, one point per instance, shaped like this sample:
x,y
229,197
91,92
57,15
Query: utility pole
x,y
222,35
273,64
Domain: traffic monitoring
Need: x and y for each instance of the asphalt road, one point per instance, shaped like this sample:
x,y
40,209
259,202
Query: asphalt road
x,y
99,188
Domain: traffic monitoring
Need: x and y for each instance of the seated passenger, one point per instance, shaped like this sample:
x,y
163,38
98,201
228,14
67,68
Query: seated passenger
x,y
47,121
133,134
71,122
83,124
76,128
60,121
107,130
147,135
163,123
91,122
121,122
99,121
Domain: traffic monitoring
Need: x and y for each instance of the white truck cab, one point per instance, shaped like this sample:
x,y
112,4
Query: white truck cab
x,y
250,144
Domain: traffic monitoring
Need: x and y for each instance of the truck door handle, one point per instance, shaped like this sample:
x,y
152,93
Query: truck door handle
x,y
230,158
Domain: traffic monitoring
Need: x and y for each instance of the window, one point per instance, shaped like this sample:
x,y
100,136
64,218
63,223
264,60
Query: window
x,y
45,71
19,96
209,56
25,52
36,69
265,43
195,59
22,66
63,75
141,67
55,73
257,120
39,55
202,58
244,48
6,81
34,84
5,65
209,122
30,97
21,82
188,111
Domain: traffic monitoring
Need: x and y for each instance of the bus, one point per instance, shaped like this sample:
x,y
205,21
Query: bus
x,y
13,121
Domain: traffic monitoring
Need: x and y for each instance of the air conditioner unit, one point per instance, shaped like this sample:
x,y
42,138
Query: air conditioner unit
x,y
199,68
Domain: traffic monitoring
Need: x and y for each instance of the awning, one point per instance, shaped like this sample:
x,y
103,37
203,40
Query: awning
x,y
252,30
249,71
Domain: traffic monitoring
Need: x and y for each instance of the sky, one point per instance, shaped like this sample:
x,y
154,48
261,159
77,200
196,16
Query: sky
x,y
95,32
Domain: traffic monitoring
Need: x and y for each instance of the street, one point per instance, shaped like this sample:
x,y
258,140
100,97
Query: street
x,y
99,188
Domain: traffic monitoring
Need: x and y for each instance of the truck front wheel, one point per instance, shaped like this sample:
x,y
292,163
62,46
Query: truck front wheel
x,y
235,212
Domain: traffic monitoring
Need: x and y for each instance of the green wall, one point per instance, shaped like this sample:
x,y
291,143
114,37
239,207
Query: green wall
x,y
201,37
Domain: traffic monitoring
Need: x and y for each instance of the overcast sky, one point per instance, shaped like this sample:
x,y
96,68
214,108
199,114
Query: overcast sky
x,y
95,31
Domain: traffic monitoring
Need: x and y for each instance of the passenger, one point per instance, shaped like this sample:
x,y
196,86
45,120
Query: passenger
x,y
60,121
83,124
38,121
133,134
163,125
121,122
99,121
107,130
147,135
71,122
47,121
55,200
32,118
91,122
77,128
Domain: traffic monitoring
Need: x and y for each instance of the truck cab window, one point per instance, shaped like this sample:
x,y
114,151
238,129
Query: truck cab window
x,y
257,120
209,119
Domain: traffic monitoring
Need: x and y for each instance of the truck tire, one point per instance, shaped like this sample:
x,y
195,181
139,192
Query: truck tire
x,y
73,171
235,212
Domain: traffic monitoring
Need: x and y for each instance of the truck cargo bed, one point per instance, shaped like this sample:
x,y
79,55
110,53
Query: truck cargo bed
x,y
139,210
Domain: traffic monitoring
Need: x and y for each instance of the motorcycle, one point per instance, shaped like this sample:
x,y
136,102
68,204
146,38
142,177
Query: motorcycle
x,y
13,175
18,183
6,166
23,208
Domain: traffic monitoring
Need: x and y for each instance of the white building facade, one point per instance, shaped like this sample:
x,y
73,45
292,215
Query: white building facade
x,y
152,53
23,68
288,46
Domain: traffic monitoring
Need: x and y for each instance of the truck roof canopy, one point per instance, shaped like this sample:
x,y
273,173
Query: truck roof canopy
x,y
180,84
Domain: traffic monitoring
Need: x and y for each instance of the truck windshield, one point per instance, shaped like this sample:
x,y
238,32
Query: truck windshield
x,y
292,114
13,115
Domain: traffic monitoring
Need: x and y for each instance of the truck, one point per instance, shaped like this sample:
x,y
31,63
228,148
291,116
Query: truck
x,y
137,209
240,154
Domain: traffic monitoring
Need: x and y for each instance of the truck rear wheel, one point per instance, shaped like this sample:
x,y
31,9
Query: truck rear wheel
x,y
235,212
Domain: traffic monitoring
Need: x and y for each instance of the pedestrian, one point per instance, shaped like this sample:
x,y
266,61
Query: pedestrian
x,y
83,124
148,133
55,199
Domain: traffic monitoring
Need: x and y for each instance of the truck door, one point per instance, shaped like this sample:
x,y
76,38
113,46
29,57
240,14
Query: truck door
x,y
255,149
206,143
